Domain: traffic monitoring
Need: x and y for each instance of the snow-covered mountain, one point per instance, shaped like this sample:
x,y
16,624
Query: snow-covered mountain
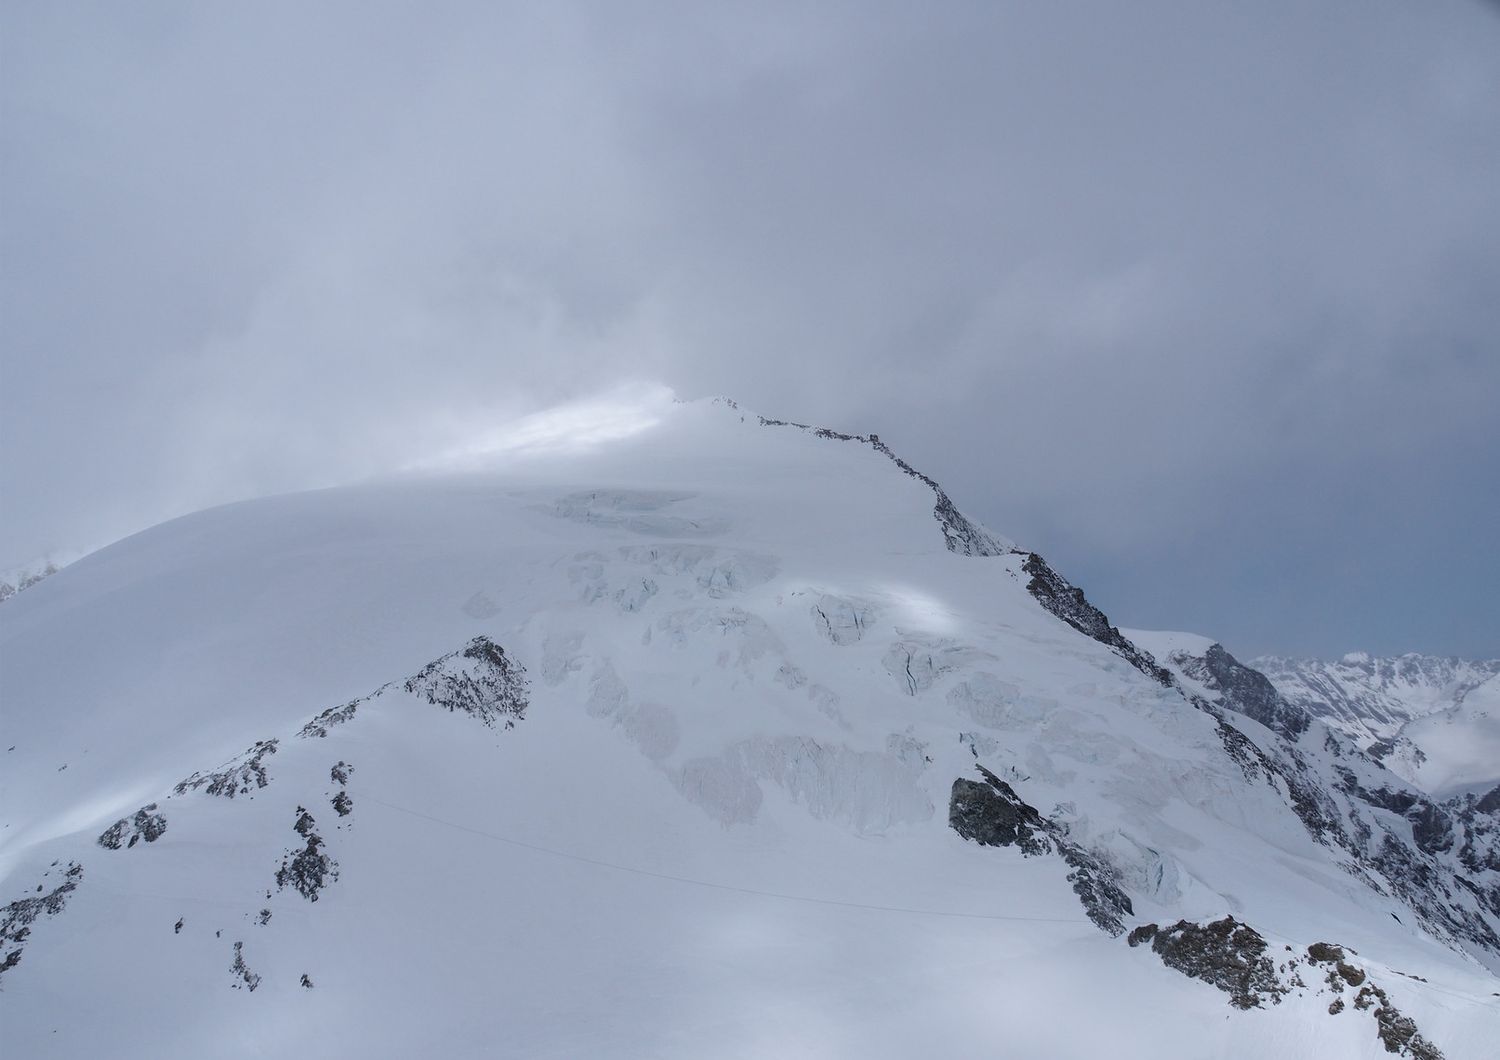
x,y
727,738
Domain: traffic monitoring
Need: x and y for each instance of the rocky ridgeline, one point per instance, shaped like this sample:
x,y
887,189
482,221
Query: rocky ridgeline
x,y
237,777
1066,601
319,727
962,535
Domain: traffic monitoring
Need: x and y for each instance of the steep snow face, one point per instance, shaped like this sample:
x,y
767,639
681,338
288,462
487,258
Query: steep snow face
x,y
719,738
1369,698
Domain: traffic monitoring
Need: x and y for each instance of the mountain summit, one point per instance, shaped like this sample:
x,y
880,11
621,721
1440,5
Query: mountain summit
x,y
725,736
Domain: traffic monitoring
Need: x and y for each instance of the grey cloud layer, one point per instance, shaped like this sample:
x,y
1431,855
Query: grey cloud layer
x,y
1198,298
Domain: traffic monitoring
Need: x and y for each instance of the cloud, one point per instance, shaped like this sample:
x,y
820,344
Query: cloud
x,y
1118,276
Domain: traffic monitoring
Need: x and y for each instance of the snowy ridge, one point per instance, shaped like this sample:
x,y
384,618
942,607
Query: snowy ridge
x,y
702,742
963,536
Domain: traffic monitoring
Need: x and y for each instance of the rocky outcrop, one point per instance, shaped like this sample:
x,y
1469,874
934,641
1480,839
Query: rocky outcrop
x,y
1398,1033
127,831
992,814
17,918
1225,954
309,870
480,680
1234,958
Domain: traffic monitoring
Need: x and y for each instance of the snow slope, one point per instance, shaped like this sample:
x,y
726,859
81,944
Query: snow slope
x,y
645,748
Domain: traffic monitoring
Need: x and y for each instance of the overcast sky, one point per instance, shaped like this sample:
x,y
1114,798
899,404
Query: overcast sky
x,y
1200,300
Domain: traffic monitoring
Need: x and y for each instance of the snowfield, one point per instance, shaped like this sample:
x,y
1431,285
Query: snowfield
x,y
649,748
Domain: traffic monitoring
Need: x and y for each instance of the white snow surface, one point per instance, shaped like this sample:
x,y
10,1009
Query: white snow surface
x,y
721,827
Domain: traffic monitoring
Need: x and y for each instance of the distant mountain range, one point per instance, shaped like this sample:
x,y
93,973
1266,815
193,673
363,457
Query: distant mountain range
x,y
1430,719
1369,698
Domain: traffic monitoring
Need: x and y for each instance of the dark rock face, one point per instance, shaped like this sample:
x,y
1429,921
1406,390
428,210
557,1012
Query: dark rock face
x,y
308,870
1224,953
127,831
1245,691
17,917
1059,597
1340,971
240,777
992,814
481,680
1431,827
